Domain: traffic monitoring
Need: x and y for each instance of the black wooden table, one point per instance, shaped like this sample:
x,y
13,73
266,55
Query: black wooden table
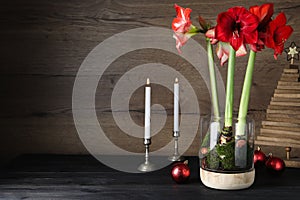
x,y
83,177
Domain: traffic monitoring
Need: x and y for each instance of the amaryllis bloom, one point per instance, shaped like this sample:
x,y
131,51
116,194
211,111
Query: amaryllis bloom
x,y
277,33
211,35
264,14
182,22
182,26
223,50
237,26
181,39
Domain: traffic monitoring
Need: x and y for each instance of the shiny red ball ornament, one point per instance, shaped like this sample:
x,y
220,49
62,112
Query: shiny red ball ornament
x,y
275,165
259,158
180,172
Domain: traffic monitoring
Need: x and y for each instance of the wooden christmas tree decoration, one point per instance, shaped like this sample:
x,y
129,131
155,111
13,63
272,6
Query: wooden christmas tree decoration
x,y
282,124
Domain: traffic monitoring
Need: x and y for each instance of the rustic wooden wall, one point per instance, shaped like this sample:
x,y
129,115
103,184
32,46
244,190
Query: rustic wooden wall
x,y
43,44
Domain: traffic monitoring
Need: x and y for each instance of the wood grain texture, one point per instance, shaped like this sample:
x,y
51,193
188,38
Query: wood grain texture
x,y
281,126
43,44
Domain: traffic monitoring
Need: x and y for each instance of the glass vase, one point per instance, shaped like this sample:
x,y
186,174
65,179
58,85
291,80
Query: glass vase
x,y
226,153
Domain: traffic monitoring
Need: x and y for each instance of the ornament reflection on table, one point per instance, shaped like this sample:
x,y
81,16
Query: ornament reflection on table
x,y
147,166
176,133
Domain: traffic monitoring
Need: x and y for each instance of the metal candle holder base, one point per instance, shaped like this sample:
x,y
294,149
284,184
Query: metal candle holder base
x,y
176,156
147,166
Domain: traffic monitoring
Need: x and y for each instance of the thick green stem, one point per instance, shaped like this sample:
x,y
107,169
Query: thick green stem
x,y
244,102
213,82
229,88
214,95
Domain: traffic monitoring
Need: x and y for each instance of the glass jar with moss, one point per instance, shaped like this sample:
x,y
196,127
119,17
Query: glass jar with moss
x,y
226,153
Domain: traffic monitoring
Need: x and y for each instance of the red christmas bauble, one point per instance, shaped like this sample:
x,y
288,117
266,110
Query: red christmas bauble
x,y
180,172
259,157
275,165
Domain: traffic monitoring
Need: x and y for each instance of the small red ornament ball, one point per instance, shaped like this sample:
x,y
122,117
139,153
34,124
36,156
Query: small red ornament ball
x,y
275,165
180,172
259,158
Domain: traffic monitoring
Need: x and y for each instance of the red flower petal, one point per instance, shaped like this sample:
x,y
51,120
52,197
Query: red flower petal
x,y
249,23
223,30
263,12
183,13
179,25
280,20
283,33
182,22
236,41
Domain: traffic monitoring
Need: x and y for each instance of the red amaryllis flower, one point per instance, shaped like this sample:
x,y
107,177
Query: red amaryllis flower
x,y
237,26
182,26
277,33
182,22
264,14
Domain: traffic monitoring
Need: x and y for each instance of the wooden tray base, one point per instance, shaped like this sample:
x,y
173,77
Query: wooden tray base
x,y
222,181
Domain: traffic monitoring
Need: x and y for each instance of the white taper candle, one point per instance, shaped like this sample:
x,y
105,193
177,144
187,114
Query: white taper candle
x,y
176,105
147,109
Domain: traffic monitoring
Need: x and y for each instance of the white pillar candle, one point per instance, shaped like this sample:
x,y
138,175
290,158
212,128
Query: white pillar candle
x,y
147,109
176,105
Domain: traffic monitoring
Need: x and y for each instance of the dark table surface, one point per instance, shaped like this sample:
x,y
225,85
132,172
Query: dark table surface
x,y
83,177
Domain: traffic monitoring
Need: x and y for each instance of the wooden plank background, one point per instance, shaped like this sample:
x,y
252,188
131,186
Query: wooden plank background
x,y
43,44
